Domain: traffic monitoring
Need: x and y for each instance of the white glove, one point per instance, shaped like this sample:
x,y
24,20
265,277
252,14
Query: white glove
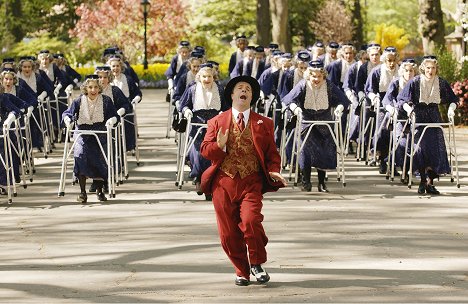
x,y
57,89
136,99
76,80
451,110
69,89
30,110
11,117
351,96
339,110
390,109
296,110
262,95
121,112
188,113
361,95
408,109
67,121
170,84
111,121
42,96
271,97
375,101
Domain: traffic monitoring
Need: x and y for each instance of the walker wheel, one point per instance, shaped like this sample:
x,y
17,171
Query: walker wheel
x,y
25,186
392,179
458,185
126,176
138,164
34,171
344,184
451,180
15,194
180,187
73,183
339,178
61,194
387,177
113,195
45,156
366,162
10,201
409,186
295,184
326,178
31,180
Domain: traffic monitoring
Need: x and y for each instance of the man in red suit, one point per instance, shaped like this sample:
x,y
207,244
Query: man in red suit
x,y
244,164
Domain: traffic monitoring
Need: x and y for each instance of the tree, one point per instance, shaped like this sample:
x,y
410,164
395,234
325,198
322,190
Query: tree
x,y
358,22
431,25
263,22
300,13
333,23
279,20
391,35
120,22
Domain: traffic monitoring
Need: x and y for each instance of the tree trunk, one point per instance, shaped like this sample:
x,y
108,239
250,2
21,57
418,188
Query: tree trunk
x,y
431,25
358,22
263,22
279,22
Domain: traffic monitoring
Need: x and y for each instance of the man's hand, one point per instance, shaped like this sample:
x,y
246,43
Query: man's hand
x,y
221,139
276,176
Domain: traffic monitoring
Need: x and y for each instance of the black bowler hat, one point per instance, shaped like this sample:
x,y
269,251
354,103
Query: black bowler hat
x,y
8,60
409,60
431,57
92,76
206,65
104,68
303,56
248,79
316,64
259,49
333,45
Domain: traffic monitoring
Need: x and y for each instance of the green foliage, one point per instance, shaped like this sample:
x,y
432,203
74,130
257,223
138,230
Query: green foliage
x,y
32,46
301,12
449,68
223,19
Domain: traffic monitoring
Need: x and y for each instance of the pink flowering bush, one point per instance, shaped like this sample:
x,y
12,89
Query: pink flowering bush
x,y
460,88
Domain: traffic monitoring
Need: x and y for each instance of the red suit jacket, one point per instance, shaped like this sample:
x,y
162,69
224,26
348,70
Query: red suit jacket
x,y
264,142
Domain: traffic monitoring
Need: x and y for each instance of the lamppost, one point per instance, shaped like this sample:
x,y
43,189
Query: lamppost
x,y
146,5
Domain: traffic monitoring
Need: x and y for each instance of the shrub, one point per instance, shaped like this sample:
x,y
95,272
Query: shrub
x,y
460,88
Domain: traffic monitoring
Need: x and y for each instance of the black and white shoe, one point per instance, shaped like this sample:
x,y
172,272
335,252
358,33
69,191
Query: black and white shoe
x,y
241,281
259,273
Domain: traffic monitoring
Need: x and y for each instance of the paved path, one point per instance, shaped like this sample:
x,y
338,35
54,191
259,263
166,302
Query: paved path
x,y
372,241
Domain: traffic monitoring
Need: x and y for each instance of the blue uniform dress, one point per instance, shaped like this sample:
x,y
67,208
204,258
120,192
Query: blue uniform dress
x,y
89,160
130,90
432,151
202,112
38,84
320,149
390,98
349,84
184,81
7,106
375,84
173,69
56,76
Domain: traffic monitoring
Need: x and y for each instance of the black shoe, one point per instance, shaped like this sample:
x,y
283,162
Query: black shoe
x,y
259,273
208,197
322,188
396,173
101,197
422,188
106,187
92,188
383,168
241,281
430,189
307,187
82,198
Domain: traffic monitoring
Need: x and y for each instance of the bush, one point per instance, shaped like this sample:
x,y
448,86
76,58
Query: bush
x,y
460,88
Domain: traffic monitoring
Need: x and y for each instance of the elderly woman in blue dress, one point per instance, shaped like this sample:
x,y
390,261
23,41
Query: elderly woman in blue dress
x,y
72,77
131,91
407,70
201,101
422,96
183,54
8,113
90,111
314,97
376,86
42,88
193,66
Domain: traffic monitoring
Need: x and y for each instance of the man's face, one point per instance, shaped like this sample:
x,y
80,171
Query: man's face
x,y
241,96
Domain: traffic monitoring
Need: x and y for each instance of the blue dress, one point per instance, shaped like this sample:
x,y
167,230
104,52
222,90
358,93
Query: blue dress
x,y
349,84
320,149
89,160
390,98
197,162
432,151
7,106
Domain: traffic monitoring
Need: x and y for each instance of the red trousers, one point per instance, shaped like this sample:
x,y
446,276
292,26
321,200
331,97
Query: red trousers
x,y
238,207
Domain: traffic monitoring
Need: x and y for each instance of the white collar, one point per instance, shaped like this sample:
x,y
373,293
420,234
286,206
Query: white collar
x,y
246,113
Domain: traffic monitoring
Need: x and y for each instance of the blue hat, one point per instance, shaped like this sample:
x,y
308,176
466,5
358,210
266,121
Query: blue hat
x,y
44,52
26,58
432,57
333,45
91,76
58,55
316,64
286,56
273,46
241,37
303,56
206,65
196,54
364,47
259,49
373,45
105,68
409,60
8,60
277,53
9,70
390,49
199,49
213,63
184,43
318,44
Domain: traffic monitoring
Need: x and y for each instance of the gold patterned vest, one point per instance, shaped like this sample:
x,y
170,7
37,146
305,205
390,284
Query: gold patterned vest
x,y
241,155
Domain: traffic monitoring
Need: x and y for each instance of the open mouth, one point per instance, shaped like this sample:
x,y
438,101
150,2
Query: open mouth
x,y
243,97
